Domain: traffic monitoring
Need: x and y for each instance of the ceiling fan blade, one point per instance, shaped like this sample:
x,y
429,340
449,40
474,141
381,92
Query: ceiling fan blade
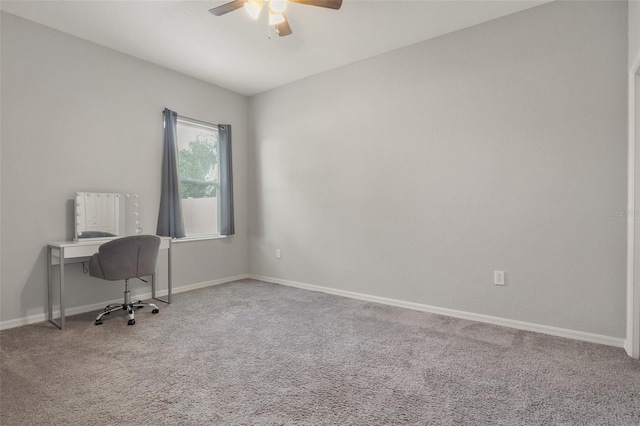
x,y
283,28
329,4
227,7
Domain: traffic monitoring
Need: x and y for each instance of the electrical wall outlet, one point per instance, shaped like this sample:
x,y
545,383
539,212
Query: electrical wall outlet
x,y
498,277
278,254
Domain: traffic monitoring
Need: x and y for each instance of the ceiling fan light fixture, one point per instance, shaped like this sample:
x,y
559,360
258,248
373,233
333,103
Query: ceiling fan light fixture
x,y
275,18
275,9
253,8
277,6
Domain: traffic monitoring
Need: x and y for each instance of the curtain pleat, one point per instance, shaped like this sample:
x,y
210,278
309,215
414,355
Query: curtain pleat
x,y
170,220
227,226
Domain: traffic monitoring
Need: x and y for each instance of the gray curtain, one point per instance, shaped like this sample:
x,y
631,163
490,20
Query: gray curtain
x,y
226,180
170,221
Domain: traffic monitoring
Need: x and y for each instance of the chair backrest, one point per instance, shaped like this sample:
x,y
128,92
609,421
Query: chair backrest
x,y
127,257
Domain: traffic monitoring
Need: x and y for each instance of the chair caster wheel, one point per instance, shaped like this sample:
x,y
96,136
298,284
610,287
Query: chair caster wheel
x,y
155,311
131,322
98,322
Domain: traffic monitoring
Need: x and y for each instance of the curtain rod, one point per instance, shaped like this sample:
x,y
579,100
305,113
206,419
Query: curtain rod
x,y
194,120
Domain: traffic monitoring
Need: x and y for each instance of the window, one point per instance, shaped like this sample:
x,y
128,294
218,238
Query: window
x,y
199,176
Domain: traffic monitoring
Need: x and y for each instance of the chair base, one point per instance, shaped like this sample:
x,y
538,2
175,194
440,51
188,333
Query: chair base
x,y
129,307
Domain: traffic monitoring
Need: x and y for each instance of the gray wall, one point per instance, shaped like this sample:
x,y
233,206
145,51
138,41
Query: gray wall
x,y
634,31
80,117
414,175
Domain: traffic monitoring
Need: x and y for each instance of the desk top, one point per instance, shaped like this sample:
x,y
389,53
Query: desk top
x,y
97,242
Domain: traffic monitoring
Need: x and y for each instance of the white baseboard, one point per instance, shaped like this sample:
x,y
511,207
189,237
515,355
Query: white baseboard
x,y
520,325
32,319
204,284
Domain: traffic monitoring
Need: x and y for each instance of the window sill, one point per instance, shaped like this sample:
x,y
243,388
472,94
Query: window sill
x,y
202,238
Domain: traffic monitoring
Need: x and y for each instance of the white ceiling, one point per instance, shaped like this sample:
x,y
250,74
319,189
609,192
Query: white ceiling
x,y
235,52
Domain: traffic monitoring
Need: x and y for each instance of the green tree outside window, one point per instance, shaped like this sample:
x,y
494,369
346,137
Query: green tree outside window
x,y
197,167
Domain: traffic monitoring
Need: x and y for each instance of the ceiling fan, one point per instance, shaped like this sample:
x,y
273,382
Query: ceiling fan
x,y
276,10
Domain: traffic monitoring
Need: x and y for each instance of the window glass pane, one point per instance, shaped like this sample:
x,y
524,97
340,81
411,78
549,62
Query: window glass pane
x,y
199,177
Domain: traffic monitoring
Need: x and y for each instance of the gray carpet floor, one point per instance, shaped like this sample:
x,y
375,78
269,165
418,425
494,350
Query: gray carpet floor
x,y
252,353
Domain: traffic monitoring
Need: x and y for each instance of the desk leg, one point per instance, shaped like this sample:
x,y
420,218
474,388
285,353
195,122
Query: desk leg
x,y
153,281
153,286
62,257
49,283
169,273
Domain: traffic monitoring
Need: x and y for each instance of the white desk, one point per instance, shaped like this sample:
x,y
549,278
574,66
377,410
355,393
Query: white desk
x,y
81,251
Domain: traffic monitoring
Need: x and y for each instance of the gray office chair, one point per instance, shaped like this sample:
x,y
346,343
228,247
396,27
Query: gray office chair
x,y
123,259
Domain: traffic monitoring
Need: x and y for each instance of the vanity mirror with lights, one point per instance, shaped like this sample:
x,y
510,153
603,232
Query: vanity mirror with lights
x,y
103,215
